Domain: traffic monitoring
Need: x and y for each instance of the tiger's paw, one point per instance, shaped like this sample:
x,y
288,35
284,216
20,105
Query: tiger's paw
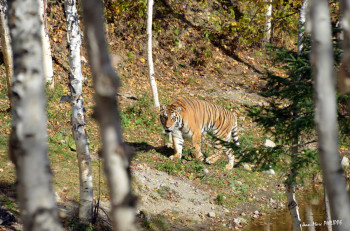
x,y
208,161
175,157
200,157
229,166
211,159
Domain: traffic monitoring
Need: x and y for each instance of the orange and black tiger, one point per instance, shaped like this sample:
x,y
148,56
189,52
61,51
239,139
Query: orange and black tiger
x,y
190,118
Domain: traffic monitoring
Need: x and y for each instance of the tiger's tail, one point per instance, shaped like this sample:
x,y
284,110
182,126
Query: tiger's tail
x,y
234,134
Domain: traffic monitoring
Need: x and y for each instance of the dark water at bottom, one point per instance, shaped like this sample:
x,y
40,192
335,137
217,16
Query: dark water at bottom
x,y
311,211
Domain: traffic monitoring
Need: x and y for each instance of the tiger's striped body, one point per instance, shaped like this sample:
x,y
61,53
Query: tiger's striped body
x,y
190,118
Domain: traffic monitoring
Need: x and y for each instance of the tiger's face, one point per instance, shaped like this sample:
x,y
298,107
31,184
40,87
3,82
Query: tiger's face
x,y
169,119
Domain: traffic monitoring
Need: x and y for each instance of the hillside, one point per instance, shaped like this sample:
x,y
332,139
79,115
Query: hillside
x,y
172,195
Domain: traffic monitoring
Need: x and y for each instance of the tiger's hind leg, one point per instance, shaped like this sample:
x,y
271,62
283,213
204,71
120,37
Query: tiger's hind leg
x,y
218,152
230,156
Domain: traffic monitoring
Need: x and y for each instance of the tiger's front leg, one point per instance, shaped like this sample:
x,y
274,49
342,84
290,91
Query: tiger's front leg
x,y
196,141
178,142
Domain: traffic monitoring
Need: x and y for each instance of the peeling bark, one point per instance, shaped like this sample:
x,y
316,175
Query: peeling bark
x,y
47,58
28,141
149,52
76,80
326,114
6,45
116,154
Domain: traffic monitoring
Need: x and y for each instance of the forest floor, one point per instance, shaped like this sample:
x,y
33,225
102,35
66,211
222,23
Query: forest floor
x,y
172,195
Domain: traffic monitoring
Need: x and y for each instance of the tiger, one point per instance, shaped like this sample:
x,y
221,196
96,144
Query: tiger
x,y
192,118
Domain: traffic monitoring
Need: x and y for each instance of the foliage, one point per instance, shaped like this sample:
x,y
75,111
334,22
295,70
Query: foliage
x,y
141,113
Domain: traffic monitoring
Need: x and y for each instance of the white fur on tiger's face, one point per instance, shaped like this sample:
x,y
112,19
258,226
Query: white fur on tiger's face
x,y
190,118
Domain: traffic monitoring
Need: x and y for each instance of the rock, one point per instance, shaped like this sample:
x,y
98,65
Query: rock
x,y
211,214
247,166
269,143
345,162
237,222
270,172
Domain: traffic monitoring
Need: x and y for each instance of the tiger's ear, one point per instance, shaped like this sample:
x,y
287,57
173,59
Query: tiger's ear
x,y
178,109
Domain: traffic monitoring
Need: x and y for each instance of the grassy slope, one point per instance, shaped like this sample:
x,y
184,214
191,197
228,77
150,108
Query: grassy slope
x,y
186,63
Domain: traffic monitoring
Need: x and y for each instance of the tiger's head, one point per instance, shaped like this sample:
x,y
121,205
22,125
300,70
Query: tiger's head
x,y
170,119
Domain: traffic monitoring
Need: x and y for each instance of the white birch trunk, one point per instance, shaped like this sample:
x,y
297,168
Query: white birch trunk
x,y
76,80
6,44
28,141
302,21
268,24
47,58
326,114
115,153
149,52
293,207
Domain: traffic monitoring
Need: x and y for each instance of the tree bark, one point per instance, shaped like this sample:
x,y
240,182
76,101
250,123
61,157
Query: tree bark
x,y
106,83
268,24
149,52
47,58
327,211
326,114
76,80
28,141
6,45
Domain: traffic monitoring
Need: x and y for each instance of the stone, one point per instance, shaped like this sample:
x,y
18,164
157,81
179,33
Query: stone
x,y
211,214
345,162
247,166
270,172
269,143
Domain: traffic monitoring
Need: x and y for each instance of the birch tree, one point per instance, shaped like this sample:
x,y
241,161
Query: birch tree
x,y
78,121
47,58
106,83
6,44
28,140
268,24
149,52
326,114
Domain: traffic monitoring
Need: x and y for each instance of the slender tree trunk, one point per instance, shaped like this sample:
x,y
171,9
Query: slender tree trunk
x,y
78,121
326,114
47,58
116,154
328,216
309,218
344,71
149,52
290,192
268,24
28,141
6,45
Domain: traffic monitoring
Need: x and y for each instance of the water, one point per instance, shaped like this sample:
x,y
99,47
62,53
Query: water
x,y
311,210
